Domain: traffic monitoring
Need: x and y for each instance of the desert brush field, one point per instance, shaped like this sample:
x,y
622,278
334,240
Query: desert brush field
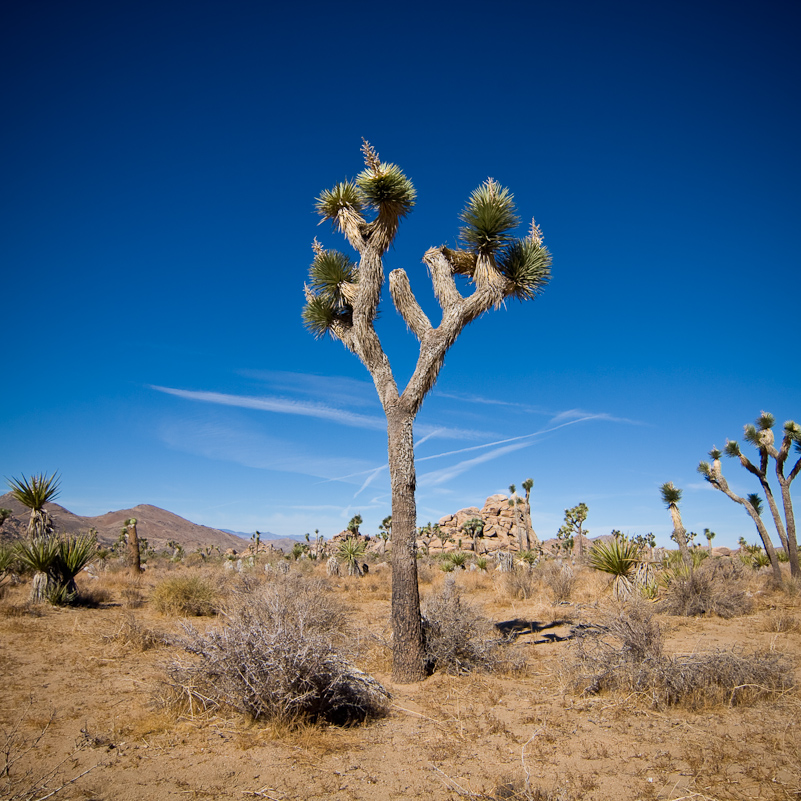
x,y
543,686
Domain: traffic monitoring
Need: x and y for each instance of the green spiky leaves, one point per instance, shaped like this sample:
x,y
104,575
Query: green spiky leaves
x,y
36,491
527,267
344,196
732,448
489,219
705,470
670,495
386,189
332,279
715,454
755,501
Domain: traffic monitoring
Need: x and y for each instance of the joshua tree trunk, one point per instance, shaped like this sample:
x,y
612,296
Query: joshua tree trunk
x,y
765,537
408,658
680,534
134,556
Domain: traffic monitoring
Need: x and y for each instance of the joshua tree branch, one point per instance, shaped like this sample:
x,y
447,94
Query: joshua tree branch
x,y
407,305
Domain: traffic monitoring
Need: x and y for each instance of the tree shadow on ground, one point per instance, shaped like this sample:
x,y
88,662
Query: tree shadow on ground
x,y
513,629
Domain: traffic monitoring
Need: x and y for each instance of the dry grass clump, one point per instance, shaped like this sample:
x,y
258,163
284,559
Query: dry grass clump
x,y
185,596
280,656
560,580
131,634
626,653
457,638
780,621
519,584
717,587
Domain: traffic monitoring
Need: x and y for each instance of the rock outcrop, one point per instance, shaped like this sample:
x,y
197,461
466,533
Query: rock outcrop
x,y
500,528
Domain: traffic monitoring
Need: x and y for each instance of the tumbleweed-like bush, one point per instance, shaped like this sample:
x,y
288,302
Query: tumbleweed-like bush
x,y
280,655
716,587
185,596
625,652
458,639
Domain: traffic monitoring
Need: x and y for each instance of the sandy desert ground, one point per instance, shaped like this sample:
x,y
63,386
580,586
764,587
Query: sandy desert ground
x,y
82,681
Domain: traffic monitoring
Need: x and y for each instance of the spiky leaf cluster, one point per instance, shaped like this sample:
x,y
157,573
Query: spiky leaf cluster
x,y
344,195
732,448
715,454
386,189
705,470
755,501
489,219
618,557
526,264
326,304
670,495
36,491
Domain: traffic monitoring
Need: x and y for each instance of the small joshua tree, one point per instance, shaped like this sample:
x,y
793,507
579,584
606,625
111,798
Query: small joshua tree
x,y
752,505
474,528
671,496
342,298
353,525
710,535
530,534
385,532
573,527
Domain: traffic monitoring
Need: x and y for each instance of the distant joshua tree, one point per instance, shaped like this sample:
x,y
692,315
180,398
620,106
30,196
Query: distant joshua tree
x,y
671,496
474,528
134,555
573,527
760,435
516,502
710,535
751,503
385,532
353,525
530,534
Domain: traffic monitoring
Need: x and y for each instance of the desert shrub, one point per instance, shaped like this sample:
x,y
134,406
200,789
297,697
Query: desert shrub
x,y
560,580
457,638
519,584
186,596
280,656
715,588
781,621
625,653
131,634
456,559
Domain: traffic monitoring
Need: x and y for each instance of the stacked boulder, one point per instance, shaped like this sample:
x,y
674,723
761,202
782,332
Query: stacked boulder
x,y
500,528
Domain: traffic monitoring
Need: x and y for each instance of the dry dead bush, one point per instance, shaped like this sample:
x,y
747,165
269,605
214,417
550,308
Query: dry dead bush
x,y
133,635
457,638
519,584
560,580
185,595
280,656
781,621
625,653
717,587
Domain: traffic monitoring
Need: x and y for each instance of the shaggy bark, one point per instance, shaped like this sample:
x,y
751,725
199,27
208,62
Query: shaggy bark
x,y
680,533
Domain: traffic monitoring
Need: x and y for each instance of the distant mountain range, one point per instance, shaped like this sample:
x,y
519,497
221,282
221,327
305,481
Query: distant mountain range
x,y
158,526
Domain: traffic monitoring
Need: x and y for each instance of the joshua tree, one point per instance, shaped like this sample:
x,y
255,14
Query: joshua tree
x,y
573,527
474,527
516,502
342,299
752,504
4,515
33,493
710,535
761,436
353,525
670,497
257,541
527,485
385,532
134,556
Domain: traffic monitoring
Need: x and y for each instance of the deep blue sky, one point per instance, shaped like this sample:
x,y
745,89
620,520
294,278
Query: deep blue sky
x,y
160,163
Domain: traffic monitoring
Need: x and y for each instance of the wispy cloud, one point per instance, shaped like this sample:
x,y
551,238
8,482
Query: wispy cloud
x,y
280,405
467,398
336,389
581,415
448,473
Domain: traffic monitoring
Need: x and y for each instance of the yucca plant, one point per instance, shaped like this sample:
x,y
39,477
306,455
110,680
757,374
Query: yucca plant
x,y
457,558
351,550
74,554
620,558
33,493
39,554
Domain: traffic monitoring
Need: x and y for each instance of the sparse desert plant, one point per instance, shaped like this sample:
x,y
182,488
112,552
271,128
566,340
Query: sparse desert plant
x,y
457,638
715,588
131,634
350,551
560,580
520,583
620,558
456,559
481,563
625,652
185,596
280,656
